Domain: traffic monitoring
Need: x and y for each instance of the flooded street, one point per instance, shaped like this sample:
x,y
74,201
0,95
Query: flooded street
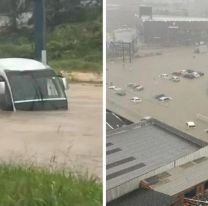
x,y
59,138
190,97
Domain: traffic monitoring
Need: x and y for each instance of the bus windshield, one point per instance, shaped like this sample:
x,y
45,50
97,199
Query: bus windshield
x,y
35,86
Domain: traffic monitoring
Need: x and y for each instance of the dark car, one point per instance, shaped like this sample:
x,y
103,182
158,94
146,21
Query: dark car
x,y
159,96
201,73
176,73
189,76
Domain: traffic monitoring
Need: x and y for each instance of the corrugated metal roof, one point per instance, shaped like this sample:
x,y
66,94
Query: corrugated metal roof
x,y
148,145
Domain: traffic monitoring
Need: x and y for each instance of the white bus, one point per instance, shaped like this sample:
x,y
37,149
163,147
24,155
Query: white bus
x,y
29,85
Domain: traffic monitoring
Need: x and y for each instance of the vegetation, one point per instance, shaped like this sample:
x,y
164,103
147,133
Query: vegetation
x,y
74,33
31,186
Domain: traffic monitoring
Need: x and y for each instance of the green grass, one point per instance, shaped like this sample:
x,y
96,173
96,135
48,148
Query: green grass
x,y
70,65
30,186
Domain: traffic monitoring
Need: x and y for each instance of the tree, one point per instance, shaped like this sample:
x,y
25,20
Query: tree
x,y
13,9
67,11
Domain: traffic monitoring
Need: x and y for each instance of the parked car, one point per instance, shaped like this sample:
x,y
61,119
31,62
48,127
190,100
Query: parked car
x,y
117,89
159,96
136,99
112,87
176,73
189,76
190,124
201,73
175,79
164,76
189,70
147,118
196,74
183,72
163,99
120,92
131,85
138,88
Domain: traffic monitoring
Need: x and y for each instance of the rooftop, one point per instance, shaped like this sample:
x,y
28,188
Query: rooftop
x,y
175,18
181,178
137,149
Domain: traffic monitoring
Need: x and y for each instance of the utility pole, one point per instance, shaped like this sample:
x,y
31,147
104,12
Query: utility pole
x,y
40,30
130,52
123,52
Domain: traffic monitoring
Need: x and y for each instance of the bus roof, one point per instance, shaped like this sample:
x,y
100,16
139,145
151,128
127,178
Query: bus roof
x,y
21,64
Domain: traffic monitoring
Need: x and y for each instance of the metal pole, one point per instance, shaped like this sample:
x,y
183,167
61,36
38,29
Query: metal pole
x,y
129,52
40,29
123,52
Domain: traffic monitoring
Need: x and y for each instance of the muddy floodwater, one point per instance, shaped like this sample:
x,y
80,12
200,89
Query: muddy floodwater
x,y
71,139
190,97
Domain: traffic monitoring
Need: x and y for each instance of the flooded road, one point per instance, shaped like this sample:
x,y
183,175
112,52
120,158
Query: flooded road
x,y
190,97
57,138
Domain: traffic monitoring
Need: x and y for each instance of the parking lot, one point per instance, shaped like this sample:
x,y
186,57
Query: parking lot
x,y
189,97
69,139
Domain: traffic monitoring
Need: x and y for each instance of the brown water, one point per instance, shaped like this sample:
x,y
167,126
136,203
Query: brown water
x,y
190,97
62,138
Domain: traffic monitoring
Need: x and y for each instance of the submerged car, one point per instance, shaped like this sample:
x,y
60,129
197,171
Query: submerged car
x,y
164,76
190,124
136,99
120,92
201,73
130,84
112,87
189,76
29,85
138,88
159,96
162,97
175,79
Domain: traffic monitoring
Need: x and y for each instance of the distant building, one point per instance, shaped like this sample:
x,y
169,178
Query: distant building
x,y
165,30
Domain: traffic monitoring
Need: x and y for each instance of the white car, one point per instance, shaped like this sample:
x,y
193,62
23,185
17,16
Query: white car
x,y
117,89
183,71
175,79
112,87
165,98
190,124
138,88
164,76
196,74
136,99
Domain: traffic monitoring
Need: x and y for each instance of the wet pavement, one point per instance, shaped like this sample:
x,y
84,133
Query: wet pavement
x,y
70,139
190,97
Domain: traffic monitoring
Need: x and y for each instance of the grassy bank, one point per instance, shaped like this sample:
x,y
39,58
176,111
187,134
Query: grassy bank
x,y
29,186
73,65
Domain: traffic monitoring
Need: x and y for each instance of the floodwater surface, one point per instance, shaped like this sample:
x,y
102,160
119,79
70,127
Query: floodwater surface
x,y
69,139
190,97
